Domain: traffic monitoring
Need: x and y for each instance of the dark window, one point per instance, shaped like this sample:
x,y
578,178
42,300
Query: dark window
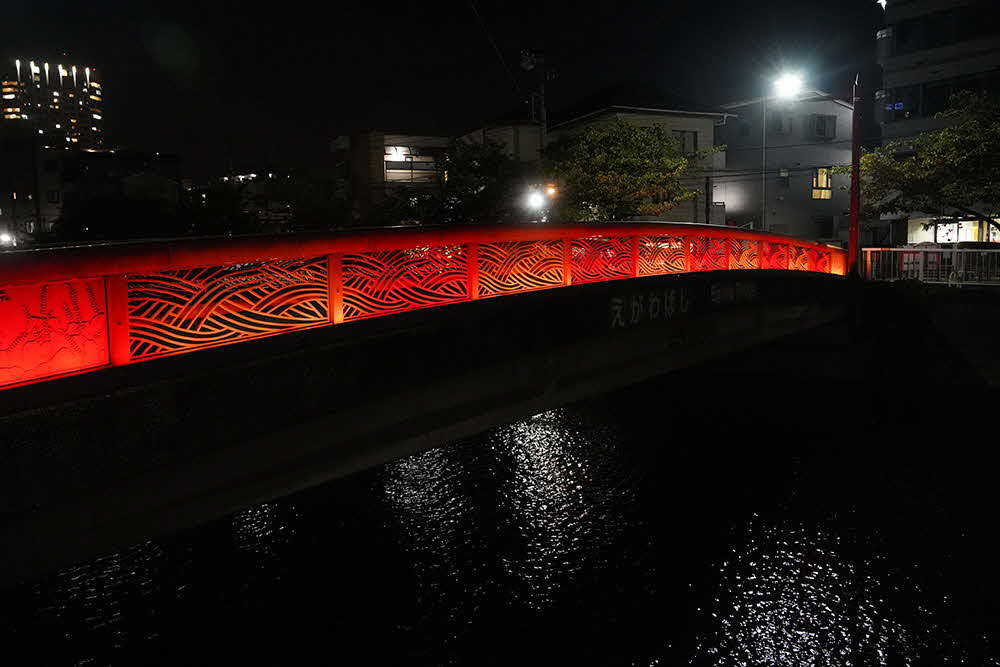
x,y
51,166
902,103
779,122
825,126
53,196
957,24
744,129
687,139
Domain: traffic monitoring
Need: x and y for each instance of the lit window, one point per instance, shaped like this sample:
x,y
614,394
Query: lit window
x,y
55,93
95,97
8,97
822,184
97,116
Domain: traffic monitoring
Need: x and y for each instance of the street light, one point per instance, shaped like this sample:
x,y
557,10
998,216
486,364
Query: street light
x,y
535,200
786,86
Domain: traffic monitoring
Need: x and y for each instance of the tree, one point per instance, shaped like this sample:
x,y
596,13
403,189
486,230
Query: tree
x,y
618,171
480,184
949,172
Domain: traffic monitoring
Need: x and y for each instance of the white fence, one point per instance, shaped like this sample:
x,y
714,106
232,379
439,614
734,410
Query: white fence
x,y
932,265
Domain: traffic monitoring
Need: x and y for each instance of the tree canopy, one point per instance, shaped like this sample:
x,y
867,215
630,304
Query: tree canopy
x,y
951,172
618,171
478,183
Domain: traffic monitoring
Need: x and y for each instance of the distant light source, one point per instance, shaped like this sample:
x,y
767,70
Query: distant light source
x,y
535,200
5,239
551,191
788,85
881,2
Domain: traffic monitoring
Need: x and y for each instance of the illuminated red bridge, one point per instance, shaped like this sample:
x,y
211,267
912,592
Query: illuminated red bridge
x,y
74,310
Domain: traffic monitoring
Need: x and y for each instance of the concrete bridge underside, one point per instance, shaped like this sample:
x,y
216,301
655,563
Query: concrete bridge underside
x,y
102,460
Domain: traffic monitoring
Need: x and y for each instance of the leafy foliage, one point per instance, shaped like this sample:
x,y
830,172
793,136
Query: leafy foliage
x,y
618,171
482,184
479,183
950,172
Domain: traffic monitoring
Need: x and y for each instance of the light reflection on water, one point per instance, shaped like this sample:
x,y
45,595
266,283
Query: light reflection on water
x,y
260,532
566,497
548,526
94,600
788,594
434,518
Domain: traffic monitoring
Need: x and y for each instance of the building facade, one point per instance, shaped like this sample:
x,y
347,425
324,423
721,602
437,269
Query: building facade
x,y
789,165
520,140
929,50
64,104
694,129
50,109
376,162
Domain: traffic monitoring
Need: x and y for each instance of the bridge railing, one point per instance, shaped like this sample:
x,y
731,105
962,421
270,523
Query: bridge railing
x,y
71,310
961,266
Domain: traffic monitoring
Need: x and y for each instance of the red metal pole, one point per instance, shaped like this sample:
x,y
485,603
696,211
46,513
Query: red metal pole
x,y
852,244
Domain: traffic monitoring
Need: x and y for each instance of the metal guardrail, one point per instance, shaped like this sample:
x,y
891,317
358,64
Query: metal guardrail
x,y
933,265
72,310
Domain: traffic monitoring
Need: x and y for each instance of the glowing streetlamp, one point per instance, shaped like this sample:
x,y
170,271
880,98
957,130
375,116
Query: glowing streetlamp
x,y
535,200
786,87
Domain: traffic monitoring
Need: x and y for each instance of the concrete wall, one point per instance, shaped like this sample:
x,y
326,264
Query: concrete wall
x,y
791,208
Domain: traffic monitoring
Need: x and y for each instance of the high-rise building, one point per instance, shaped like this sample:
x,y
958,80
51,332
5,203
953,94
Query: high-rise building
x,y
929,50
63,104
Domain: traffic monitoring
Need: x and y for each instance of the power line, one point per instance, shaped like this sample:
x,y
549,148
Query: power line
x,y
489,36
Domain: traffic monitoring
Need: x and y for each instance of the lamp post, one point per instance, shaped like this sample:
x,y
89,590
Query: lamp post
x,y
852,238
786,86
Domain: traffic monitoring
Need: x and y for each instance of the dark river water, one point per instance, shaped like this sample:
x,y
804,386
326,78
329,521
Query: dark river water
x,y
699,519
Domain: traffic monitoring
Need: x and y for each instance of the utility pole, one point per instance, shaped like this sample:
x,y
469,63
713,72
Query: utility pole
x,y
708,201
534,61
763,162
852,243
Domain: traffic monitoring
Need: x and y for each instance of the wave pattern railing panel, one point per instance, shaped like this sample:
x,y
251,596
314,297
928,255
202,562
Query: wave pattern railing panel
x,y
386,282
508,267
744,254
185,310
597,258
659,255
774,255
708,254
72,310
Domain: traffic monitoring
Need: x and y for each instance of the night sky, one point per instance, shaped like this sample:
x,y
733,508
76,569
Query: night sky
x,y
275,82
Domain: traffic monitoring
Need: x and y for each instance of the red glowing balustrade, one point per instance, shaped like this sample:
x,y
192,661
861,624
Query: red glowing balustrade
x,y
70,310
